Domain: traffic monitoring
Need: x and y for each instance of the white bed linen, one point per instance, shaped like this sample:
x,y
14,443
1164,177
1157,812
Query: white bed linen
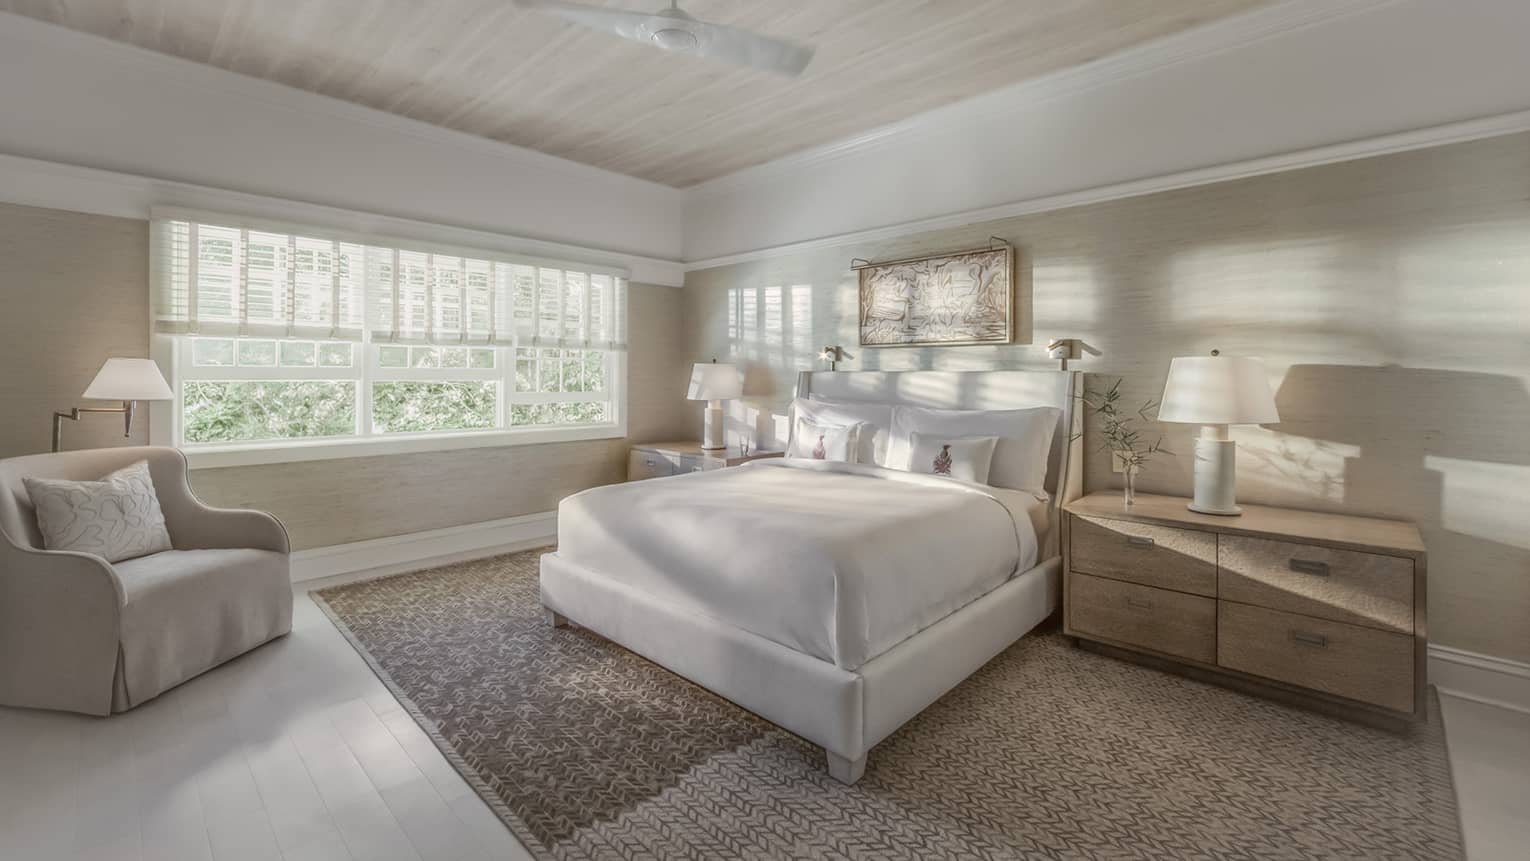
x,y
838,561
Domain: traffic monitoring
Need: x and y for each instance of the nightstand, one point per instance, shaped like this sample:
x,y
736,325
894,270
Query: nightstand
x,y
655,459
1325,610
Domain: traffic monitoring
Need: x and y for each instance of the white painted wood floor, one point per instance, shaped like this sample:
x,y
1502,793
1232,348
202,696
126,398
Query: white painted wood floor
x,y
297,751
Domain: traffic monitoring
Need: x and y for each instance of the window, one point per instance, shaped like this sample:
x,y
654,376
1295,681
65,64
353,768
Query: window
x,y
282,339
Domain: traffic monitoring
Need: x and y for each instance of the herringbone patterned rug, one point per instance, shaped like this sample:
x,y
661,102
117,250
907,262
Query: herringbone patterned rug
x,y
588,751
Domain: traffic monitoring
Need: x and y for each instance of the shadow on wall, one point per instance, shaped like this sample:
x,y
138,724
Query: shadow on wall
x,y
1446,449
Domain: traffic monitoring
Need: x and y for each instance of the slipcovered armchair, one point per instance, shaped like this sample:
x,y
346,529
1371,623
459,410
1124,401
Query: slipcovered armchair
x,y
80,634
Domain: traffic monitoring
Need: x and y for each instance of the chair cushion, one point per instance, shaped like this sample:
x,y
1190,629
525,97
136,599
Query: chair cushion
x,y
117,517
187,611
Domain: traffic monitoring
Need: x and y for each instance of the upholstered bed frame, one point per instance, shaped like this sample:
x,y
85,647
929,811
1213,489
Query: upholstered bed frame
x,y
848,712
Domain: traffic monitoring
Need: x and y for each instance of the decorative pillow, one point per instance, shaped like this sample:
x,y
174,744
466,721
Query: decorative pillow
x,y
871,442
966,458
116,518
823,441
1019,458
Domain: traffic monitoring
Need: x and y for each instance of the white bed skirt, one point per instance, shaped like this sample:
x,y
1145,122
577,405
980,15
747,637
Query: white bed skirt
x,y
845,712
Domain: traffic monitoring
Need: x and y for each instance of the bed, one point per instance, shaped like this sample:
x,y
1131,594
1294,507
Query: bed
x,y
836,600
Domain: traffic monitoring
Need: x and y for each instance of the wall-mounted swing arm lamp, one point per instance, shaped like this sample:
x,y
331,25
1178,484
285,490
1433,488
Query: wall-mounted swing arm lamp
x,y
125,380
833,355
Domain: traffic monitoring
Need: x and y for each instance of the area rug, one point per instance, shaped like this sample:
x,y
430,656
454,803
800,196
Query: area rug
x,y
588,751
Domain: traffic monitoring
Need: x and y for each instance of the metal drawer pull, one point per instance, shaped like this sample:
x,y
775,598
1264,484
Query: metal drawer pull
x,y
1310,566
1139,603
1318,640
1139,541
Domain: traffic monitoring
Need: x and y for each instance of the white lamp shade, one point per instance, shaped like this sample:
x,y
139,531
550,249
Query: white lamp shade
x,y
713,382
1217,390
129,380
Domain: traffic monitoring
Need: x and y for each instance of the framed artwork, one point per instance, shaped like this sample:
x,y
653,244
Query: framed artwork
x,y
945,300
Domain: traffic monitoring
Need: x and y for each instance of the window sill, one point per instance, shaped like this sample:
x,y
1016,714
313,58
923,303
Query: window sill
x,y
215,456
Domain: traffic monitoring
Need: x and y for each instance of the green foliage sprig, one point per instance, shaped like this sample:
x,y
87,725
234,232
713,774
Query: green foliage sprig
x,y
1119,430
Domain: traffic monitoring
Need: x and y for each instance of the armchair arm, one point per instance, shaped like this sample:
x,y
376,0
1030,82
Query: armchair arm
x,y
195,525
60,629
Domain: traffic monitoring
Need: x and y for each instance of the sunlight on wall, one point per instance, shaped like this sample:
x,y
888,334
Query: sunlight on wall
x,y
1283,468
1484,500
1308,295
1463,298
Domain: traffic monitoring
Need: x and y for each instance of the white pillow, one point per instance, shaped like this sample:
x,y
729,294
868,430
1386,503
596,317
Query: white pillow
x,y
963,457
871,445
115,518
823,441
1019,458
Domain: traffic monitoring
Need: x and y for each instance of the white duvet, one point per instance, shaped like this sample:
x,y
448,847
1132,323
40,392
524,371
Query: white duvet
x,y
838,561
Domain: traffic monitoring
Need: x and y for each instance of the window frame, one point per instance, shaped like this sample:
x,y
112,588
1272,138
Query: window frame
x,y
175,352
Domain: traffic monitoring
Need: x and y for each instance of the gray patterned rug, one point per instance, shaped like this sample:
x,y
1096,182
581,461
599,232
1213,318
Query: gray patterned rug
x,y
589,751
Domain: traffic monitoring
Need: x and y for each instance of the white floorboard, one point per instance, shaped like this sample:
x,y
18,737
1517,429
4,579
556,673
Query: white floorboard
x,y
297,751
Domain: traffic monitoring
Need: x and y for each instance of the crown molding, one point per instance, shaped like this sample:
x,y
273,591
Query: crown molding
x,y
1215,37
34,182
224,83
1434,136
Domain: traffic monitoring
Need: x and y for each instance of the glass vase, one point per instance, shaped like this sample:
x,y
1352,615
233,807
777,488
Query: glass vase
x,y
1129,487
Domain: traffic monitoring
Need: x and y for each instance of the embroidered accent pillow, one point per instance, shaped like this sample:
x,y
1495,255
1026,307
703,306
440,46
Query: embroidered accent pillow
x,y
115,518
965,458
821,441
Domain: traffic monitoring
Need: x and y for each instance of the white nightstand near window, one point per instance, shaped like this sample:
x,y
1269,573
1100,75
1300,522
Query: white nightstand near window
x,y
285,343
658,459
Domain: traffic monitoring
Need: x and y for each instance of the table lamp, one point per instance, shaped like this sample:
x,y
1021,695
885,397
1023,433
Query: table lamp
x,y
714,384
126,380
1216,391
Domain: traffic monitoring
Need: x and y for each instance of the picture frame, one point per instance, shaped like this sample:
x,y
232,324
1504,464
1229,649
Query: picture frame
x,y
962,298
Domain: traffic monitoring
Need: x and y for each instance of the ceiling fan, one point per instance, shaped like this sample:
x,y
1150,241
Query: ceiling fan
x,y
676,31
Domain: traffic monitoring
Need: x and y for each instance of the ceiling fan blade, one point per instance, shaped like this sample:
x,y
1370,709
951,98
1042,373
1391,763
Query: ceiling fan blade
x,y
751,49
614,21
714,41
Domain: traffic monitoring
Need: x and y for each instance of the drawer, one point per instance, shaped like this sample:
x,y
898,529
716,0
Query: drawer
x,y
1342,585
1181,559
1346,660
688,463
1170,622
646,464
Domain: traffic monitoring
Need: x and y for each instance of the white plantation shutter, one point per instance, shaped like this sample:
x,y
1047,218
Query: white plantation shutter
x,y
237,278
226,281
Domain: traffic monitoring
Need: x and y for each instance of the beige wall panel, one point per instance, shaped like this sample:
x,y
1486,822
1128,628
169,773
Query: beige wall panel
x,y
1390,298
74,291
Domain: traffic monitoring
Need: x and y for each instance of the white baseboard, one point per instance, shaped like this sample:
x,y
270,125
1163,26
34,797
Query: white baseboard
x,y
398,553
1483,678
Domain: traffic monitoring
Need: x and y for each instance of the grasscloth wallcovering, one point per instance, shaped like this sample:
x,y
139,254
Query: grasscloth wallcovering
x,y
1390,298
75,291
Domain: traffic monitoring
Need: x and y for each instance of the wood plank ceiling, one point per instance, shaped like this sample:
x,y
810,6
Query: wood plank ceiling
x,y
489,68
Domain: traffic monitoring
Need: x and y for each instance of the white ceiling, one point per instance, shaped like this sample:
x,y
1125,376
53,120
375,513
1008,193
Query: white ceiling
x,y
488,68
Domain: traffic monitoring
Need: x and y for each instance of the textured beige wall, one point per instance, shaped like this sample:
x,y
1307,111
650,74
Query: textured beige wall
x,y
1390,298
74,291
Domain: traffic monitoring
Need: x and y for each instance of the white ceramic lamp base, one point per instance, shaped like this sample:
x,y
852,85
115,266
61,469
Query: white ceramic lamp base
x,y
1215,472
713,437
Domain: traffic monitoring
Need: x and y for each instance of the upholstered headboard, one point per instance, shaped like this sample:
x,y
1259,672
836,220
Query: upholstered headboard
x,y
977,390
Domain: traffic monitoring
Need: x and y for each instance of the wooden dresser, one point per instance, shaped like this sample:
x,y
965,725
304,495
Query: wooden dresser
x,y
1324,609
655,459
